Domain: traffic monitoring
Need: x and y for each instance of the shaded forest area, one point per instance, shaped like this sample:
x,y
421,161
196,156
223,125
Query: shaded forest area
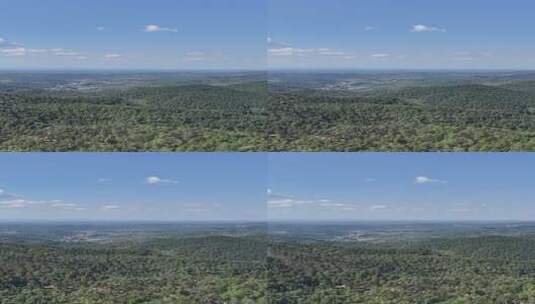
x,y
467,117
204,269
482,270
219,269
246,112
184,117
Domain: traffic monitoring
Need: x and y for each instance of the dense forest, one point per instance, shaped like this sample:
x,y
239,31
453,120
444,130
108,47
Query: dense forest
x,y
440,118
485,269
201,269
163,116
373,263
289,112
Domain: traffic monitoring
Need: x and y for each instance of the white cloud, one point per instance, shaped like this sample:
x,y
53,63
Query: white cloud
x,y
427,180
66,53
281,50
151,28
155,180
378,207
110,207
4,43
64,205
370,179
277,44
14,203
101,28
113,56
18,51
283,201
421,28
9,200
37,50
332,205
288,51
380,55
329,52
103,180
369,28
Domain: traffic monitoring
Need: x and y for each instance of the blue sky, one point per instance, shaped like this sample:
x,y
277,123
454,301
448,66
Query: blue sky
x,y
231,34
393,34
133,34
138,186
300,186
392,186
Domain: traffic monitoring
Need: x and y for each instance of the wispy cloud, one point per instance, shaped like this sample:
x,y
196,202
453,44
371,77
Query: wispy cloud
x,y
66,53
151,28
23,51
331,52
285,201
4,43
14,201
155,180
101,28
421,28
113,56
380,55
110,207
428,180
17,51
377,207
289,51
276,44
37,51
278,201
369,28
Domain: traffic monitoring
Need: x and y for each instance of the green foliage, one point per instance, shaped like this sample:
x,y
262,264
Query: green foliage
x,y
459,270
434,118
168,270
433,265
161,118
300,113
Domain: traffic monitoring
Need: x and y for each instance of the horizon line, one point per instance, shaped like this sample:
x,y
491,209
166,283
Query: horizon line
x,y
276,221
